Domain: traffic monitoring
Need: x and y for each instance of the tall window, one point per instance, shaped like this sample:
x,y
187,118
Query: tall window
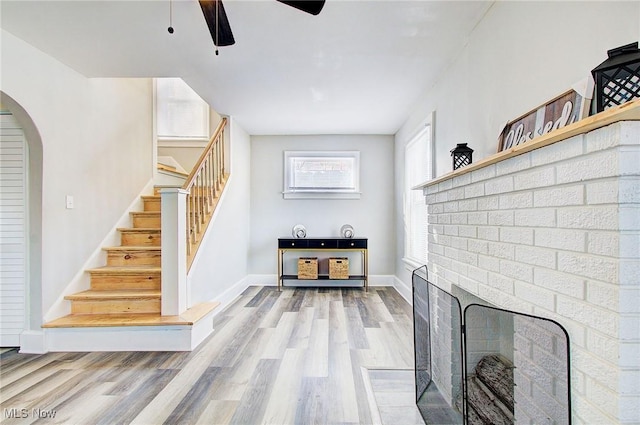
x,y
418,169
180,113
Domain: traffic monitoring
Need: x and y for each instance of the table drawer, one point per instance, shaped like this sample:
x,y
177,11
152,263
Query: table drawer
x,y
352,243
322,243
293,243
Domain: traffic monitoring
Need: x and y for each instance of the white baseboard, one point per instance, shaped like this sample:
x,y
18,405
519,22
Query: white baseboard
x,y
33,342
404,290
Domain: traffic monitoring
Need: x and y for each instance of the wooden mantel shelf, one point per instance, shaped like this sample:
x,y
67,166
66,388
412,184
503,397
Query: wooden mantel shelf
x,y
629,111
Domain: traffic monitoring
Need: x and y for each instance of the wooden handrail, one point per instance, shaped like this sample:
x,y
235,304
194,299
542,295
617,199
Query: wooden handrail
x,y
204,186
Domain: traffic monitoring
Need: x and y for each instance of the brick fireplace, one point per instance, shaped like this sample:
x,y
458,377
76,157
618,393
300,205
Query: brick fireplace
x,y
552,228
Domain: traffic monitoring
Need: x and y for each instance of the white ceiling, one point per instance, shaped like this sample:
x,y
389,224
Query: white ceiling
x,y
357,68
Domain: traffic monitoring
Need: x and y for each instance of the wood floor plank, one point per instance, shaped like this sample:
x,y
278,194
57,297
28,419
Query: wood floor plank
x,y
294,356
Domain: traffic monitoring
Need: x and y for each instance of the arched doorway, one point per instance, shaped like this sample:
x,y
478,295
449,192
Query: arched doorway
x,y
25,218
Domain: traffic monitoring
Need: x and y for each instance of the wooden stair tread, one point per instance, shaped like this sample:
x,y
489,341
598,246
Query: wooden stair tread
x,y
189,317
139,229
132,248
125,269
112,294
145,213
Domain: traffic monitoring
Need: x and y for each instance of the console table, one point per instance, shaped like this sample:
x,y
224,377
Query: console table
x,y
323,244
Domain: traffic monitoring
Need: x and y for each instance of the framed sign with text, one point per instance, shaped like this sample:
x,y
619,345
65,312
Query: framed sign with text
x,y
571,106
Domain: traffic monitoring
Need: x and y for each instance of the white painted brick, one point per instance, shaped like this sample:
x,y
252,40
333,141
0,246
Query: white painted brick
x,y
489,203
538,217
605,398
455,194
477,274
501,283
629,133
478,246
578,380
589,266
459,218
604,295
629,407
516,270
459,243
560,282
431,199
598,165
477,218
431,189
630,245
516,200
461,180
587,413
501,250
517,235
441,219
602,192
432,219
484,173
489,233
538,177
629,355
502,300
603,346
512,165
590,316
435,229
445,185
527,292
451,230
489,263
629,190
603,243
629,300
630,382
629,217
468,232
536,256
474,190
435,208
441,197
468,284
603,138
630,327
451,253
450,207
564,239
501,218
436,249
468,205
498,185
629,273
595,218
559,196
569,148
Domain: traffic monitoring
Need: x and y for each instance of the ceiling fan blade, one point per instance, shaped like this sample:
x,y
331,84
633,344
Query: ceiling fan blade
x,y
214,13
310,6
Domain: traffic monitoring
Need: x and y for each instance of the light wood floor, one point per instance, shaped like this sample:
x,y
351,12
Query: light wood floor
x,y
299,356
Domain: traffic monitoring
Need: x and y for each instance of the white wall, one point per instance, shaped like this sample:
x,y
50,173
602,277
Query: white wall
x,y
221,263
519,56
97,146
273,217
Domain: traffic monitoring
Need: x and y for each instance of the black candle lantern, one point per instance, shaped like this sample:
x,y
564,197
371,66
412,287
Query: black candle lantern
x,y
462,155
618,78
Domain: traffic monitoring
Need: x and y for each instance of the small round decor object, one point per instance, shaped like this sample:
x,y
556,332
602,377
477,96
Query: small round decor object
x,y
299,231
346,231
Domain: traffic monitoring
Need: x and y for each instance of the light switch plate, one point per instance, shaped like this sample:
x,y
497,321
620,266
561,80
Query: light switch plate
x,y
69,200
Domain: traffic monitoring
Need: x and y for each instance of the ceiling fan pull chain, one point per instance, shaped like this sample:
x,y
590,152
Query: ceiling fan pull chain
x,y
217,24
170,29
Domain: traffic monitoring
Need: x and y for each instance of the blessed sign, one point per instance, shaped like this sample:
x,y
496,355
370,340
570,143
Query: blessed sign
x,y
565,109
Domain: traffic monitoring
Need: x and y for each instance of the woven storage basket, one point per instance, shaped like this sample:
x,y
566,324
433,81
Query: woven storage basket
x,y
338,268
308,268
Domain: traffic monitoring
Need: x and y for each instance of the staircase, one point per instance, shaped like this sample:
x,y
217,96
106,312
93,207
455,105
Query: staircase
x,y
125,295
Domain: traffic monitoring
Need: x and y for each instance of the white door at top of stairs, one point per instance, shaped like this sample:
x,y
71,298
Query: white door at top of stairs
x,y
13,230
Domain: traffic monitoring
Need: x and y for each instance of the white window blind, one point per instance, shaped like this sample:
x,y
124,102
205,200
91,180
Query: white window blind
x,y
321,174
417,170
180,112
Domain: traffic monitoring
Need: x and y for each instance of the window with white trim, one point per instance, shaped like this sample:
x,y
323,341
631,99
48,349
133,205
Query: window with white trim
x,y
322,174
418,169
181,115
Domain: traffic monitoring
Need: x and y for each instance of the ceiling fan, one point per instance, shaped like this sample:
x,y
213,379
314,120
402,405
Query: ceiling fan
x,y
218,23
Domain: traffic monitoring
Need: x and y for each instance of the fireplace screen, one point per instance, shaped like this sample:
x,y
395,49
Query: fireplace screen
x,y
477,364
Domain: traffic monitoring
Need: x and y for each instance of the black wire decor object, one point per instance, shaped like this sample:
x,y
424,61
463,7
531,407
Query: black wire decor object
x,y
617,79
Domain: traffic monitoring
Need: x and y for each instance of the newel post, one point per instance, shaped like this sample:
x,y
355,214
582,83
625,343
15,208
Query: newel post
x,y
174,251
